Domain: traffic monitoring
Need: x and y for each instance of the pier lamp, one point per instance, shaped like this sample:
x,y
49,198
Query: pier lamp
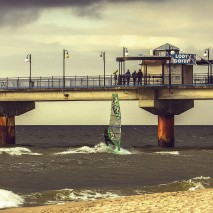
x,y
104,59
28,59
172,52
125,53
207,54
65,55
170,75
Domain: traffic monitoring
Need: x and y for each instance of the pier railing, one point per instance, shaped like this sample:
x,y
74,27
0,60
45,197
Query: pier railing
x,y
95,81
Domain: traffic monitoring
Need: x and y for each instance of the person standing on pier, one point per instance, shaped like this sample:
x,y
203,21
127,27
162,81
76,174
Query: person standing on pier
x,y
119,79
134,77
140,75
128,75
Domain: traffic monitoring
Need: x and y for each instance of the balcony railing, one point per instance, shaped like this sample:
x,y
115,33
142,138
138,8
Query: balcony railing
x,y
56,82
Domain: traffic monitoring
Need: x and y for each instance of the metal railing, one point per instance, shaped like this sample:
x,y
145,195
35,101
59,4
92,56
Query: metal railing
x,y
201,79
56,82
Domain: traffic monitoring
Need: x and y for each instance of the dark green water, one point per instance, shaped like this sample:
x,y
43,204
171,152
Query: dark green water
x,y
53,164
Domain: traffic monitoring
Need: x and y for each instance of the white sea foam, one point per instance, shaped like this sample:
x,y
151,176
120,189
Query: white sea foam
x,y
198,183
99,148
121,151
197,187
17,151
182,185
201,178
79,195
168,153
9,199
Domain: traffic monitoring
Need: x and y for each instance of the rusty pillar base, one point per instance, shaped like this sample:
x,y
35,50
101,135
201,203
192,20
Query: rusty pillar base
x,y
166,131
7,130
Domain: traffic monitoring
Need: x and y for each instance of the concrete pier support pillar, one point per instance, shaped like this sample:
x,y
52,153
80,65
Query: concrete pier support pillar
x,y
8,111
165,110
7,130
166,131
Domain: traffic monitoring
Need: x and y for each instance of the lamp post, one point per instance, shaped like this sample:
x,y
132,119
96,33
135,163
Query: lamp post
x,y
104,59
170,76
208,62
125,53
65,55
28,59
207,54
171,52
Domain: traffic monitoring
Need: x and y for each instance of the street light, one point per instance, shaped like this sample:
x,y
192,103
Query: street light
x,y
170,74
103,56
125,53
207,54
28,59
65,55
209,63
170,52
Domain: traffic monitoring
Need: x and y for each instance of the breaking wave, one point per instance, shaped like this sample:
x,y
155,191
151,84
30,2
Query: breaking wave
x,y
184,185
17,151
9,199
67,195
99,148
168,153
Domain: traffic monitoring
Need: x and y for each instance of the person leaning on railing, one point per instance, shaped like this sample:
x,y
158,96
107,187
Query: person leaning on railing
x,y
134,77
128,75
140,75
119,79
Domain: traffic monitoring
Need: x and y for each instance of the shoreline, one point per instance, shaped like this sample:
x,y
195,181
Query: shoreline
x,y
181,201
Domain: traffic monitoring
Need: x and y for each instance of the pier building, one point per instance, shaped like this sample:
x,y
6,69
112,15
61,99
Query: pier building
x,y
167,65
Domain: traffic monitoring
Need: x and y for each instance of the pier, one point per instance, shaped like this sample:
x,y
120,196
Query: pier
x,y
167,88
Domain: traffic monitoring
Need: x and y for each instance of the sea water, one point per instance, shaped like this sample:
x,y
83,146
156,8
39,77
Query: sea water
x,y
57,164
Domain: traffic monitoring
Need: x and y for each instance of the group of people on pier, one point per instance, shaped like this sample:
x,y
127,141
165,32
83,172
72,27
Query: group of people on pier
x,y
126,78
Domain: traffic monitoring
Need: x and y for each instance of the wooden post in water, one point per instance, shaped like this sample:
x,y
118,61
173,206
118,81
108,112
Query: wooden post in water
x,y
166,130
7,130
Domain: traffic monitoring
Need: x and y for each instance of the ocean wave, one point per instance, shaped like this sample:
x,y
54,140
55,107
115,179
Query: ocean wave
x,y
67,195
200,183
17,151
168,153
99,148
9,199
184,185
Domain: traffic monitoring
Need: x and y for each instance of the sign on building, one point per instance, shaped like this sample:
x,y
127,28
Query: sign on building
x,y
183,58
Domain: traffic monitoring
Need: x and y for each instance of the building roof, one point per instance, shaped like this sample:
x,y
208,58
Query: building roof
x,y
167,46
130,58
204,62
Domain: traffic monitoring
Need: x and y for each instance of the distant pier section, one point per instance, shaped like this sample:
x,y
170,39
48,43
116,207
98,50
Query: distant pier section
x,y
168,87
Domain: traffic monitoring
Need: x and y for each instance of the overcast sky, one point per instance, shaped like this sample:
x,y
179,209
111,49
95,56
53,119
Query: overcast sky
x,y
85,28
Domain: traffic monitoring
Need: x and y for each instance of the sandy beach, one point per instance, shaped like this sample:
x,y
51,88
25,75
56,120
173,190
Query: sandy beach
x,y
187,201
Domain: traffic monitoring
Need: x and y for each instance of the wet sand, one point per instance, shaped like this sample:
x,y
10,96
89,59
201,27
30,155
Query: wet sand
x,y
187,201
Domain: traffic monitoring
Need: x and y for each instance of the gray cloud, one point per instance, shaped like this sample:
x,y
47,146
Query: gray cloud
x,y
63,3
17,13
17,17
